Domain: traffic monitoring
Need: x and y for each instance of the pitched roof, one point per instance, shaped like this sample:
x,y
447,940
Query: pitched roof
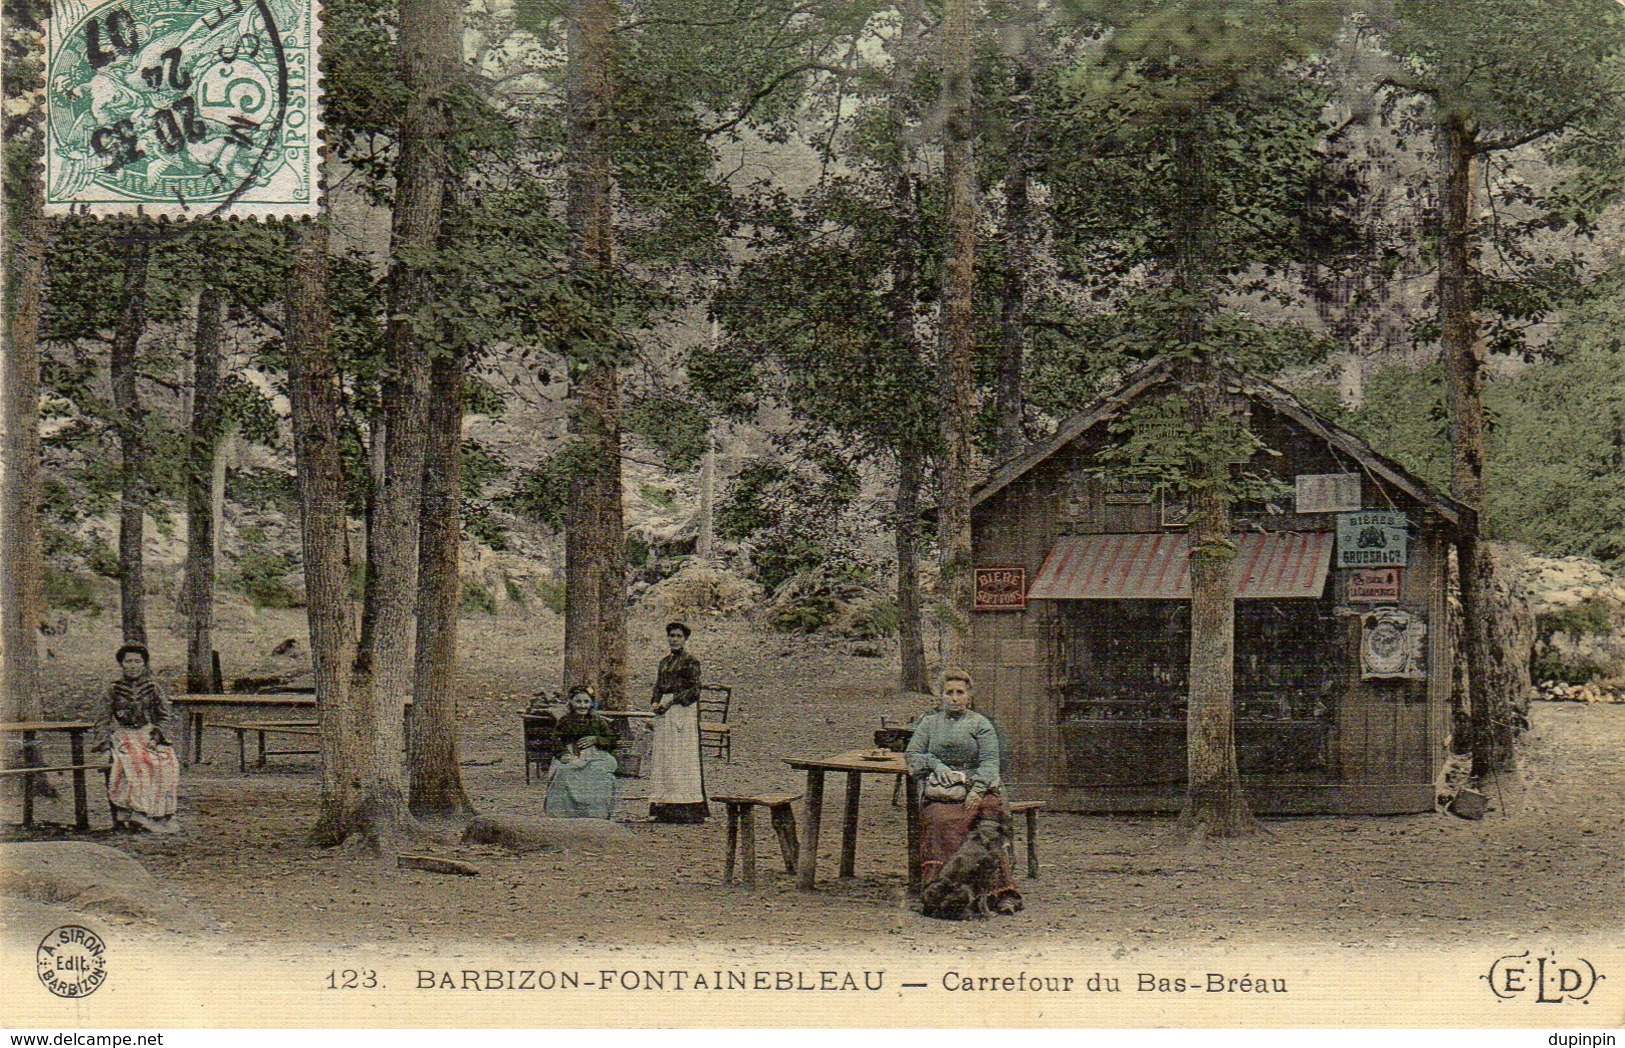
x,y
1153,374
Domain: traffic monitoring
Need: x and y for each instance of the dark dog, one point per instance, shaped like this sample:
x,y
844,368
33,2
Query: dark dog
x,y
961,889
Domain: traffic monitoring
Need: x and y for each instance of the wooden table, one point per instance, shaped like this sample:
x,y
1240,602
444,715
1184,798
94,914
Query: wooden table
x,y
75,731
193,707
856,766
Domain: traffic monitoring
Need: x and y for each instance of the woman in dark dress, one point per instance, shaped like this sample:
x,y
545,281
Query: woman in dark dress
x,y
137,726
676,775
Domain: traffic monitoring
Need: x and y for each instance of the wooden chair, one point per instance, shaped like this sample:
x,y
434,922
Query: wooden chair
x,y
742,831
715,733
541,742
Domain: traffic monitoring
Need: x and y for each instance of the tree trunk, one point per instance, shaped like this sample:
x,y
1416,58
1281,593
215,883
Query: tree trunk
x,y
1008,406
958,330
22,560
595,555
203,453
436,776
910,636
705,540
1215,805
316,394
132,445
905,296
1462,339
429,56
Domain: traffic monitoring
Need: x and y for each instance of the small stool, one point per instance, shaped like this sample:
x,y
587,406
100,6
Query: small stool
x,y
1031,810
742,823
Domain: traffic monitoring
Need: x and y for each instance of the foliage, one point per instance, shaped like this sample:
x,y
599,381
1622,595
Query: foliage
x,y
1557,454
263,489
795,514
261,576
551,592
1591,616
476,597
70,590
674,426
1526,77
1556,443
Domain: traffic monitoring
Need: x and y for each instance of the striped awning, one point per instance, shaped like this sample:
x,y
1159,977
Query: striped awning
x,y
1278,564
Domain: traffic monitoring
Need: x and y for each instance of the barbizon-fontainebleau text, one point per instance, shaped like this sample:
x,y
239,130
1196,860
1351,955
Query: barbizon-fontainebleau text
x,y
685,980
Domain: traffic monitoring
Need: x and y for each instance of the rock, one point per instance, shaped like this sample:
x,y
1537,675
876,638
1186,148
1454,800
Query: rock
x,y
1469,804
92,878
526,833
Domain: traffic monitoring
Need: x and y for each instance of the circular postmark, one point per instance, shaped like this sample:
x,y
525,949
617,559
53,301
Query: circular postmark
x,y
71,961
175,106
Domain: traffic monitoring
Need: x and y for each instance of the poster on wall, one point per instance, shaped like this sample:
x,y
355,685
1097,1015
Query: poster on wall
x,y
1001,589
1393,645
1372,538
1374,585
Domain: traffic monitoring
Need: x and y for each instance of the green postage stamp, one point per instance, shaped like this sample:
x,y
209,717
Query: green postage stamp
x,y
182,108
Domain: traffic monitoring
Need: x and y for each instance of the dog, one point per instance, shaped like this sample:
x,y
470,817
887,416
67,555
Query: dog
x,y
961,890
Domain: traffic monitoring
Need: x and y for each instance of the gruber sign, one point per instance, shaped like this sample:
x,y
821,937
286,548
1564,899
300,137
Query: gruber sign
x,y
1372,538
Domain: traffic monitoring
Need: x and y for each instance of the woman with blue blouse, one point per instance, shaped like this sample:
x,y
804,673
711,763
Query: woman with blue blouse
x,y
954,753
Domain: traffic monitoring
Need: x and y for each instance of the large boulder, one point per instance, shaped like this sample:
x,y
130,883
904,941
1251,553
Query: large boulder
x,y
525,833
1579,607
93,879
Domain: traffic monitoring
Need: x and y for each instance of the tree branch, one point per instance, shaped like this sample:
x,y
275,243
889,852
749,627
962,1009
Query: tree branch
x,y
761,93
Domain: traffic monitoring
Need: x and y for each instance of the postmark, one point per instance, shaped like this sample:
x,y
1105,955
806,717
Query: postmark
x,y
183,109
71,961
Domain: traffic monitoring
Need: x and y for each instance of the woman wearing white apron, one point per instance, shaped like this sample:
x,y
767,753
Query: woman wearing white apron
x,y
137,725
676,776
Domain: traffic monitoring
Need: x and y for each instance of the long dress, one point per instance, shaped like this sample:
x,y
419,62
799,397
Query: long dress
x,y
676,774
581,779
137,727
968,743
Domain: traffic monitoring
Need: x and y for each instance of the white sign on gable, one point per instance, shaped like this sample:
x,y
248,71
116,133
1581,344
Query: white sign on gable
x,y
1328,492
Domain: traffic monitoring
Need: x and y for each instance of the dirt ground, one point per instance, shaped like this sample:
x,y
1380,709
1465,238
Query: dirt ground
x,y
1545,860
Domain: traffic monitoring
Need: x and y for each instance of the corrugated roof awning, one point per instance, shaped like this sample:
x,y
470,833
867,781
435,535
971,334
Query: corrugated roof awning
x,y
1277,564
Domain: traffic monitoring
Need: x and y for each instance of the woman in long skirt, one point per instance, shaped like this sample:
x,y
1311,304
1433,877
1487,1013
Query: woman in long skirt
x,y
137,727
954,753
581,779
676,775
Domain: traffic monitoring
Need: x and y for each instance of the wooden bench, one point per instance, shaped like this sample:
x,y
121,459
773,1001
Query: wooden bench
x,y
262,728
81,815
1030,809
742,831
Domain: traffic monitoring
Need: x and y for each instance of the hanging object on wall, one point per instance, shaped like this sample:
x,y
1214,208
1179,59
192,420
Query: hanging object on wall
x,y
1372,538
1001,589
1327,492
1374,585
1393,645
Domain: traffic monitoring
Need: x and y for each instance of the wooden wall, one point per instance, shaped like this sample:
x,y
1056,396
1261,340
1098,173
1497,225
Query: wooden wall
x,y
1390,736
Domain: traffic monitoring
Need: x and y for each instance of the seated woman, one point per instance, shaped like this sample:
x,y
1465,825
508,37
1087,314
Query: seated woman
x,y
137,724
581,779
955,754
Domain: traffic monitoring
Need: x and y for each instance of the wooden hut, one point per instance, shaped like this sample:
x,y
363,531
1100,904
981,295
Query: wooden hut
x,y
1081,637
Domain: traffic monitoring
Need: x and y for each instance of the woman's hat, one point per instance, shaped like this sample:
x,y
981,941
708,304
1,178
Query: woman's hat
x,y
138,649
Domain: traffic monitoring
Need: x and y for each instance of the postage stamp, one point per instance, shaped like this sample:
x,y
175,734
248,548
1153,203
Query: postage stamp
x,y
182,110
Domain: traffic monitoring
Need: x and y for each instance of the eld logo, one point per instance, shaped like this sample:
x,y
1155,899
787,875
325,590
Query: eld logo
x,y
1552,981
